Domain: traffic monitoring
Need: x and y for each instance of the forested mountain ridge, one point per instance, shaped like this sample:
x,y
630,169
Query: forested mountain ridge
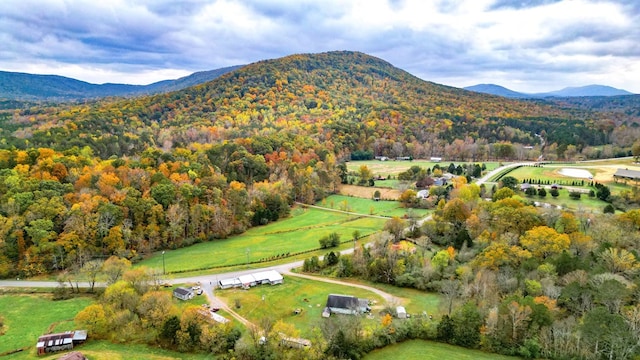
x,y
347,100
33,87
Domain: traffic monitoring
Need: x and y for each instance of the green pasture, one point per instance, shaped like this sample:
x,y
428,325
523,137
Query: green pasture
x,y
548,173
393,167
368,206
280,301
29,316
300,232
429,350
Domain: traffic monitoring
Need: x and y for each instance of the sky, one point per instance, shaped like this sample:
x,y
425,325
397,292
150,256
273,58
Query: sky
x,y
524,45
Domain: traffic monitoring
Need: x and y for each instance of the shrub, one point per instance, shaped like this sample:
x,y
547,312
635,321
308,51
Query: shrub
x,y
575,195
609,209
542,192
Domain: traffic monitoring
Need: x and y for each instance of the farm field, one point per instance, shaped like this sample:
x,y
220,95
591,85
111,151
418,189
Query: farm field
x,y
280,301
368,206
29,316
300,232
429,350
393,167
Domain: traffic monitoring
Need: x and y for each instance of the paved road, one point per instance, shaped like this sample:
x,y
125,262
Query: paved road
x,y
493,172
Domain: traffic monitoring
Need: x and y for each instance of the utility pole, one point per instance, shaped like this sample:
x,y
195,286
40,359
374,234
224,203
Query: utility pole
x,y
164,269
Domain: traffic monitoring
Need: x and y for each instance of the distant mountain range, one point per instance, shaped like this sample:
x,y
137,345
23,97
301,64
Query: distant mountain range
x,y
22,86
589,90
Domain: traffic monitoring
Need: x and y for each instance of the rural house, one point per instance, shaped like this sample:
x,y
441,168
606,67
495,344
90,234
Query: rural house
x,y
60,341
183,293
345,304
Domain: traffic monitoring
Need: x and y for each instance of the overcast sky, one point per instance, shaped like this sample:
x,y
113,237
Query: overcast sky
x,y
525,45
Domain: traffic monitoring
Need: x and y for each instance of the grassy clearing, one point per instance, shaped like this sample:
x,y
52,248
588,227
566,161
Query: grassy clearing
x,y
428,350
29,316
415,301
280,301
584,203
368,206
300,232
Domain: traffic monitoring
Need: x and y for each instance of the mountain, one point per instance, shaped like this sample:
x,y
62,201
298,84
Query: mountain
x,y
342,102
589,90
22,86
498,90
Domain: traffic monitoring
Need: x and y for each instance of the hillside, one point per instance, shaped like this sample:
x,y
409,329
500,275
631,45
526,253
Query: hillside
x,y
22,86
347,101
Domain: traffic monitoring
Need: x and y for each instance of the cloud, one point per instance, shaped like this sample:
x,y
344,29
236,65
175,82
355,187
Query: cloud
x,y
536,45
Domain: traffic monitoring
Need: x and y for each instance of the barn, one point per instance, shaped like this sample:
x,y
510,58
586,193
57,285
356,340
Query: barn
x,y
345,304
625,174
60,341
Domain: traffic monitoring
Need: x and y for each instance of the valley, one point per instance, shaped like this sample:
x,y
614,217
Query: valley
x,y
340,166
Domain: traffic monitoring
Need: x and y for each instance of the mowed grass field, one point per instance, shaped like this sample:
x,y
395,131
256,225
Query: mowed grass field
x,y
300,232
369,206
429,350
280,301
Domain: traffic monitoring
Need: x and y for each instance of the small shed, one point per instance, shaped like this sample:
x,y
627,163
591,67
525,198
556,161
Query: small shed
x,y
401,313
183,293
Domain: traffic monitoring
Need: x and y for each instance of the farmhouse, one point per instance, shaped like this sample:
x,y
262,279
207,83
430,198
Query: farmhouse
x,y
626,174
60,341
345,304
183,293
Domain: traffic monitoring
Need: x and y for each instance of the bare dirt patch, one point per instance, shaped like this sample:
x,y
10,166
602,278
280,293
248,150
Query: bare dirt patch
x,y
367,192
605,174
